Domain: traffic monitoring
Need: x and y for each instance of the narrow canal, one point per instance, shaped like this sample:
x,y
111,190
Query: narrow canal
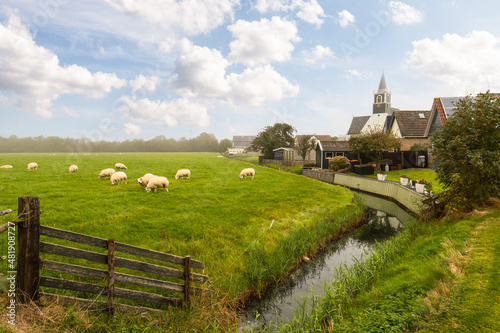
x,y
385,219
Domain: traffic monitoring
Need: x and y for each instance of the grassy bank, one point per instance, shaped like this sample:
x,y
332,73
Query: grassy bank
x,y
215,217
439,276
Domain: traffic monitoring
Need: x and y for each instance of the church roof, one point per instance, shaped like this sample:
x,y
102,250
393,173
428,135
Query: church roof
x,y
357,124
382,86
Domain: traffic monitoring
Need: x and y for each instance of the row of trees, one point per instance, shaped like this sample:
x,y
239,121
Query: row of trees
x,y
203,143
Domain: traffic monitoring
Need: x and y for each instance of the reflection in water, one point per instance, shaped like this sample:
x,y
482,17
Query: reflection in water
x,y
283,299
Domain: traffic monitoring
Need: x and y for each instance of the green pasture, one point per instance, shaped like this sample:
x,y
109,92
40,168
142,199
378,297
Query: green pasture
x,y
215,217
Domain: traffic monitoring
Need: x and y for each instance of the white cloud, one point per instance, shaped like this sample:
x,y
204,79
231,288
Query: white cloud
x,y
346,18
317,53
354,73
33,74
179,112
312,13
404,14
264,41
257,85
467,63
308,11
191,17
70,112
200,71
132,129
144,84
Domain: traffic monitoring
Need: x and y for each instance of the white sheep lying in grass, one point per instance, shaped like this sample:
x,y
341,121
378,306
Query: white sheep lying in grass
x,y
73,168
247,172
119,177
32,166
183,173
156,182
120,166
106,173
144,180
6,167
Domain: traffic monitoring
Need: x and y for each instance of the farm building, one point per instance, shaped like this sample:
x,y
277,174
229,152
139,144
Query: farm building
x,y
241,144
325,150
283,154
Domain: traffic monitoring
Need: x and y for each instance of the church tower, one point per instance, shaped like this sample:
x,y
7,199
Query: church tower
x,y
382,98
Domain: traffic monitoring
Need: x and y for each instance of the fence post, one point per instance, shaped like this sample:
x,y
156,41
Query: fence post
x,y
187,280
28,261
111,276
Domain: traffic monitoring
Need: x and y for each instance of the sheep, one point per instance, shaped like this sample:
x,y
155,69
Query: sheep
x,y
119,177
247,172
32,166
73,168
183,173
6,167
156,182
106,173
144,180
120,166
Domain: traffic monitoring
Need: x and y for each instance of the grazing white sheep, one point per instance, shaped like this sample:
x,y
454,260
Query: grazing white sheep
x,y
183,173
32,166
6,167
120,166
119,177
106,173
73,168
144,180
156,182
247,172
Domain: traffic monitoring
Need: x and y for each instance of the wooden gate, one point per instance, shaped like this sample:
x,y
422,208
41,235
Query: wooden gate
x,y
30,263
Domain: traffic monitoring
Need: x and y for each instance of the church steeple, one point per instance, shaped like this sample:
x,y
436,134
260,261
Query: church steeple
x,y
382,98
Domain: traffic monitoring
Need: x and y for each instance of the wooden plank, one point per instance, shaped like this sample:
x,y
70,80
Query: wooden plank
x,y
146,297
28,241
119,262
46,281
119,292
61,267
73,236
111,276
120,247
94,304
166,257
73,253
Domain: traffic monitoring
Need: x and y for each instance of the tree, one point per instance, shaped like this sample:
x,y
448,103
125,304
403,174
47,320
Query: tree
x,y
373,142
467,151
272,137
224,144
304,145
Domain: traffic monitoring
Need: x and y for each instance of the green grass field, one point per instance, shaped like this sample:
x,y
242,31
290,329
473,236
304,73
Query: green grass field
x,y
214,217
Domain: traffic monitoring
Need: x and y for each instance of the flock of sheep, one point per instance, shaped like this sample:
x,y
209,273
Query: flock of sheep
x,y
149,181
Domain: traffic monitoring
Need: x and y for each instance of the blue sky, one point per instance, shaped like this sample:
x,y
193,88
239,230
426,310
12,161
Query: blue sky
x,y
125,69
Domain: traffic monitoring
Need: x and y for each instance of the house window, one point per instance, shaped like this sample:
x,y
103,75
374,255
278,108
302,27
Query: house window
x,y
328,155
339,154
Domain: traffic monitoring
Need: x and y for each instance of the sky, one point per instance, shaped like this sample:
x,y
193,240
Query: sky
x,y
136,69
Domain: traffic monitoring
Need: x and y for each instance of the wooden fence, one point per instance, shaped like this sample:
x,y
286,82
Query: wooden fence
x,y
29,265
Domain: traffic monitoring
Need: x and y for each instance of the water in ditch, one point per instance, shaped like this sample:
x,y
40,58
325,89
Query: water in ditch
x,y
385,219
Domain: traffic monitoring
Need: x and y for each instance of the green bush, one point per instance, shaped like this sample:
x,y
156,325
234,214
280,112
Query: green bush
x,y
338,163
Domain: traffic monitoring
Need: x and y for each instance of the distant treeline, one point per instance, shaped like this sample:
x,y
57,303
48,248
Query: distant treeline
x,y
203,143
